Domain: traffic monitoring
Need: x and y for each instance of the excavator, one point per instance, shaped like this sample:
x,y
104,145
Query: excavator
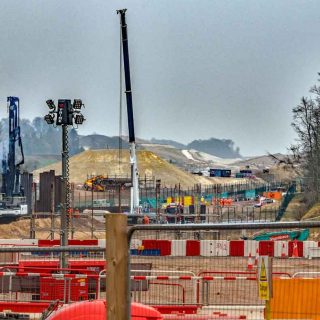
x,y
103,183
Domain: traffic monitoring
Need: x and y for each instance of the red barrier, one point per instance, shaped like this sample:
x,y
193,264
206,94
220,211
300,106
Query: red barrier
x,y
93,265
52,266
300,248
39,265
48,243
24,307
86,242
192,248
170,309
150,244
266,248
71,242
163,245
236,248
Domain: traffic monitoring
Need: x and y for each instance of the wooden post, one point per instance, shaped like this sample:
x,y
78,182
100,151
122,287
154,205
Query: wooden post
x,y
117,267
92,216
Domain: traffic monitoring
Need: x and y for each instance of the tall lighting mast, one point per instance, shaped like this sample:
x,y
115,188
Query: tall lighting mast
x,y
64,115
134,205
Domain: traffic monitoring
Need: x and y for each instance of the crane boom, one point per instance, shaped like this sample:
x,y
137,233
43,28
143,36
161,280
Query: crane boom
x,y
134,205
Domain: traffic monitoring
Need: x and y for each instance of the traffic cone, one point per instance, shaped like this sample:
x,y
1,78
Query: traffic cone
x,y
295,253
283,251
257,257
250,262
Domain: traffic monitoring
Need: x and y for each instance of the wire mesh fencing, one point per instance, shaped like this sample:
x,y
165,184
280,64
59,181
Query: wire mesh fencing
x,y
215,273
181,271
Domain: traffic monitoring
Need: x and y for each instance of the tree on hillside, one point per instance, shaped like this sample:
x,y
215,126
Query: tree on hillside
x,y
223,148
74,142
306,123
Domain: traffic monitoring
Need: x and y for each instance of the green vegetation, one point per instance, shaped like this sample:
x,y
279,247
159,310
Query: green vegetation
x,y
296,208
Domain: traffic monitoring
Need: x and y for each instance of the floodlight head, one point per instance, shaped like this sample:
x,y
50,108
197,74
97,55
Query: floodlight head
x,y
50,104
77,104
49,118
79,118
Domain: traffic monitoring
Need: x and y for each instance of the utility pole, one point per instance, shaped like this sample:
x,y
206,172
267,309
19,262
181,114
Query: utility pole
x,y
66,114
158,185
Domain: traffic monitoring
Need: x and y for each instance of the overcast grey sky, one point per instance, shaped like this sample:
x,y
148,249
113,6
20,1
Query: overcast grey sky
x,y
200,69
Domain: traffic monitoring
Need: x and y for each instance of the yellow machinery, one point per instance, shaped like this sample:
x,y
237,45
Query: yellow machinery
x,y
95,183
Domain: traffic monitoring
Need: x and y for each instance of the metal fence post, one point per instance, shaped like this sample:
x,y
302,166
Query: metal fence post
x,y
117,267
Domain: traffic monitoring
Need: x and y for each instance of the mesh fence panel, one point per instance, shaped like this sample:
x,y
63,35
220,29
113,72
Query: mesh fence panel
x,y
207,273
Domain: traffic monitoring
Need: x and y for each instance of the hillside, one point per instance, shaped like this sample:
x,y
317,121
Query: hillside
x,y
313,213
98,141
40,139
94,162
189,159
260,162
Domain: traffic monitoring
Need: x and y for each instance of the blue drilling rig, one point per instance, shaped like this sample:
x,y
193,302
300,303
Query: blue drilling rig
x,y
13,200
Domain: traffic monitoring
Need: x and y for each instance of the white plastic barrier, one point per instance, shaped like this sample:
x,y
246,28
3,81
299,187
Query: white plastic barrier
x,y
101,243
222,247
207,248
178,248
135,243
250,247
314,252
307,248
214,248
19,242
281,249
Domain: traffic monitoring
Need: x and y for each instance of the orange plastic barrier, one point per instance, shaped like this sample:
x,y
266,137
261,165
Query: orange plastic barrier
x,y
276,195
225,202
295,299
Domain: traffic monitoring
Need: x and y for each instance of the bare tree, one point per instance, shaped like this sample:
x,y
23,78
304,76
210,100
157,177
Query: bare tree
x,y
306,123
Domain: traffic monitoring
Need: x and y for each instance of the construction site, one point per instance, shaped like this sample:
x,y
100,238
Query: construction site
x,y
149,231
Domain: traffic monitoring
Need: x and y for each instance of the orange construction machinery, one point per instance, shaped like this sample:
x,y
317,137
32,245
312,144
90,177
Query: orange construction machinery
x,y
95,183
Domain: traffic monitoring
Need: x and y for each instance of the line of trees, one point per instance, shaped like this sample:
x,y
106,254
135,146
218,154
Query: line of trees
x,y
39,138
306,152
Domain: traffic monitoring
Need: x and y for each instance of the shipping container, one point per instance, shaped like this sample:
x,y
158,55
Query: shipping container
x,y
239,175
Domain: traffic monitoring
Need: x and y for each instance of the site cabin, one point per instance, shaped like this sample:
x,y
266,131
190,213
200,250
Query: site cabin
x,y
173,212
246,173
223,173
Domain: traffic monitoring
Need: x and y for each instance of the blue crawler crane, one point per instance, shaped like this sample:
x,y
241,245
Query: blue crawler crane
x,y
13,202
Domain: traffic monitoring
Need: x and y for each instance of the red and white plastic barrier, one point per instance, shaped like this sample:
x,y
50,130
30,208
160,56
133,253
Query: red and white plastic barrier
x,y
205,248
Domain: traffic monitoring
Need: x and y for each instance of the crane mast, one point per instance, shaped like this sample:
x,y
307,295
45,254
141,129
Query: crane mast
x,y
134,205
11,184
